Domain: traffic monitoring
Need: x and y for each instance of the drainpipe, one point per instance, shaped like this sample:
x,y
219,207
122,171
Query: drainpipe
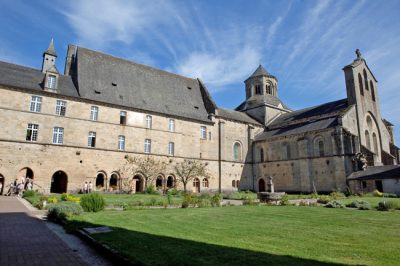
x,y
220,125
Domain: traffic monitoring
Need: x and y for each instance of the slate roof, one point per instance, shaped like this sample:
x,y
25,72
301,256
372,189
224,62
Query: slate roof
x,y
28,78
377,172
51,50
261,100
261,71
309,119
113,80
235,116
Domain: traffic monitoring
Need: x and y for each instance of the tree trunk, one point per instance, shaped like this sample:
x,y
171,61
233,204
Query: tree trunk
x,y
184,187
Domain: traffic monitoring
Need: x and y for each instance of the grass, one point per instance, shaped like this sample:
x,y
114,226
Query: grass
x,y
374,201
251,235
139,199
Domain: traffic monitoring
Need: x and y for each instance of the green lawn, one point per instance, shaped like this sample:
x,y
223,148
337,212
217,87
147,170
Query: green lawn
x,y
251,235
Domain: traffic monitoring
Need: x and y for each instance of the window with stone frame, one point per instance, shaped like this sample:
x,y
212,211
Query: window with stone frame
x,y
92,139
51,81
360,84
94,113
372,90
203,132
36,104
261,155
286,154
121,143
147,145
149,121
61,107
122,118
365,79
205,182
32,132
171,149
171,125
258,89
237,151
58,135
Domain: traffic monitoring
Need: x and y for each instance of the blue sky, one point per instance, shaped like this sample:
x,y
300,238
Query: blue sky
x,y
304,44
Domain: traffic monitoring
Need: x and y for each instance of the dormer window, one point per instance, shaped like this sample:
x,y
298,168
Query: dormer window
x,y
51,81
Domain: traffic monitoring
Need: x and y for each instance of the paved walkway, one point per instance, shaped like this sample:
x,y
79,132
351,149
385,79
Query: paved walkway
x,y
26,240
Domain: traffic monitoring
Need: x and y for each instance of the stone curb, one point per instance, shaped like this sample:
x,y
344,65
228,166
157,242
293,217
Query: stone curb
x,y
113,255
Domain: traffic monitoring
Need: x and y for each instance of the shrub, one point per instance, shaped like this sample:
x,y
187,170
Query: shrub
x,y
389,195
93,202
151,189
324,199
52,200
188,199
337,195
361,205
377,193
388,205
29,194
284,200
216,200
153,201
250,201
334,204
169,198
64,196
63,210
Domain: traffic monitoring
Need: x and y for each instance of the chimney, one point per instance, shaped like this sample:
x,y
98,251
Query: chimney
x,y
70,60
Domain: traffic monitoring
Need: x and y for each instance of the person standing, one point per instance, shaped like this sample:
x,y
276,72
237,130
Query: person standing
x,y
90,186
85,188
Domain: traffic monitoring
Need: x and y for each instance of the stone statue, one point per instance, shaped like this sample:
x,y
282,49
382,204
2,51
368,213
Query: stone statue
x,y
358,53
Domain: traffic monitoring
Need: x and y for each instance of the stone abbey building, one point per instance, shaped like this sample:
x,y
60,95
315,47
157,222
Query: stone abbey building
x,y
62,130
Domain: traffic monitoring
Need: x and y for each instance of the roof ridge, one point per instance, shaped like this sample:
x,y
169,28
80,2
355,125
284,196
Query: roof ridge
x,y
135,63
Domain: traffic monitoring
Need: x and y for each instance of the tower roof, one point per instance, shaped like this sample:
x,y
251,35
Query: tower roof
x,y
260,71
51,50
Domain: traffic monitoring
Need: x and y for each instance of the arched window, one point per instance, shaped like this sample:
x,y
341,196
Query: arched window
x,y
196,185
261,155
286,151
269,88
233,183
258,89
365,79
375,142
369,122
237,151
321,149
360,84
159,182
205,182
367,140
372,90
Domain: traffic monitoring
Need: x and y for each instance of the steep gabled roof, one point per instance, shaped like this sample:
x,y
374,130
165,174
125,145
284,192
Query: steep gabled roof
x,y
305,120
109,79
261,71
16,76
51,50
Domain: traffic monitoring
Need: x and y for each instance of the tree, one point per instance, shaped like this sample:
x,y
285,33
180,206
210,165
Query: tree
x,y
147,166
187,170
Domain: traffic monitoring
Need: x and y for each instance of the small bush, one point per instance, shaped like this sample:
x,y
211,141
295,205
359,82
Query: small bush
x,y
284,200
389,195
151,189
169,198
29,194
153,201
64,196
250,201
334,204
324,199
337,195
216,200
93,202
388,205
361,205
377,193
63,210
52,200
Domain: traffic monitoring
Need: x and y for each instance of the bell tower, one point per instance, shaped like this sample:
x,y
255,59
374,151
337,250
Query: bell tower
x,y
262,102
49,57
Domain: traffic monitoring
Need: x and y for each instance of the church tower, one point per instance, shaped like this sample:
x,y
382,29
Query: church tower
x,y
262,102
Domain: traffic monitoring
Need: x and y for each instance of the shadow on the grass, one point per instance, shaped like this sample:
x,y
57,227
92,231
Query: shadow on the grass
x,y
149,249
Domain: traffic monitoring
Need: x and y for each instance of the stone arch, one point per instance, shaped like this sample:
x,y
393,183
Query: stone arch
x,y
196,185
101,179
365,79
59,182
139,180
2,183
171,181
360,84
237,151
205,183
25,172
375,143
374,128
160,181
261,185
372,90
114,181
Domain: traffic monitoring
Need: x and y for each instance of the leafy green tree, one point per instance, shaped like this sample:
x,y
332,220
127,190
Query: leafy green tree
x,y
187,170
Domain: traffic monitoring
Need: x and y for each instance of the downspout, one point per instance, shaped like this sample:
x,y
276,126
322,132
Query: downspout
x,y
219,155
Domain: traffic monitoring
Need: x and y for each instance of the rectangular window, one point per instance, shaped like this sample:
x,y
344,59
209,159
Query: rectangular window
x,y
203,132
122,118
92,139
94,113
121,143
61,107
147,145
32,132
36,104
51,81
149,121
171,125
171,149
58,135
